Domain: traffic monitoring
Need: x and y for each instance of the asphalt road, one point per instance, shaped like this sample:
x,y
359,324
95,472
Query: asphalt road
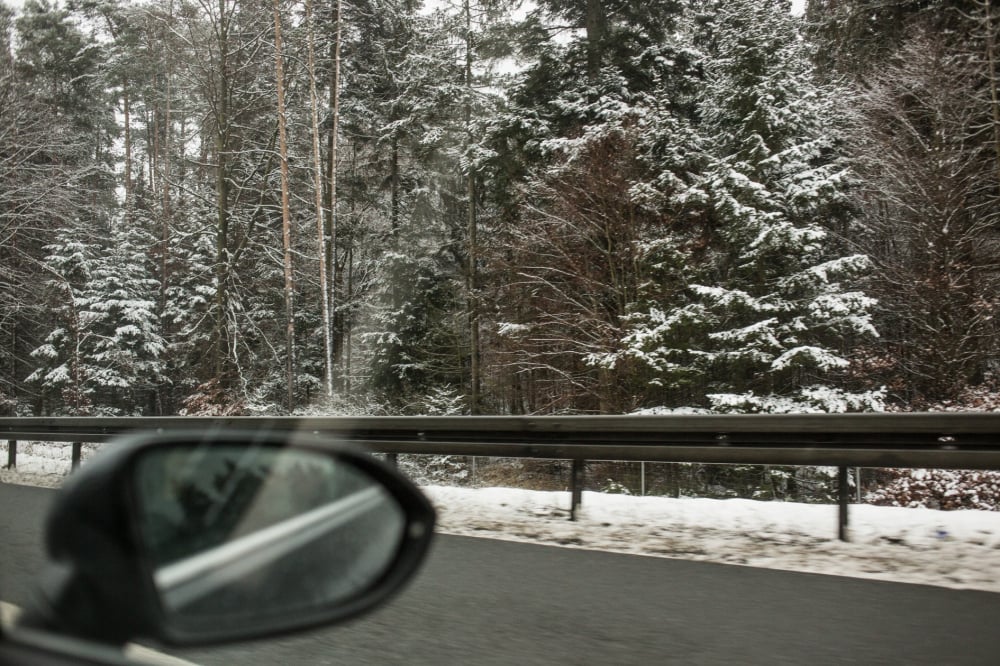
x,y
487,602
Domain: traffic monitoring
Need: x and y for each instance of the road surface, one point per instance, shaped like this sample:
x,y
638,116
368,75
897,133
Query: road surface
x,y
486,602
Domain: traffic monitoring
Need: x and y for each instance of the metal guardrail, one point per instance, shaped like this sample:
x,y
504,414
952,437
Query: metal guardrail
x,y
924,440
957,441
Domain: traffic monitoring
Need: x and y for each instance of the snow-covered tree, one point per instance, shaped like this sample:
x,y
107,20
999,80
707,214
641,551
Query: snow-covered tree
x,y
105,351
412,103
61,369
417,346
120,298
942,489
767,316
56,133
668,210
568,153
926,144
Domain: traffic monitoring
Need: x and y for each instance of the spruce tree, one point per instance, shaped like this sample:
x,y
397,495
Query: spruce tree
x,y
767,317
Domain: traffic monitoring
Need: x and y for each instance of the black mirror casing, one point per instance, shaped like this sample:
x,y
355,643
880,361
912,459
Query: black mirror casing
x,y
94,586
100,583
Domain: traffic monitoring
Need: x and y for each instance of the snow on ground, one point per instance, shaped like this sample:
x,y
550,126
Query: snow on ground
x,y
40,464
958,549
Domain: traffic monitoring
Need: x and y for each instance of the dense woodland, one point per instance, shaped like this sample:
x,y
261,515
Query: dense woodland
x,y
485,207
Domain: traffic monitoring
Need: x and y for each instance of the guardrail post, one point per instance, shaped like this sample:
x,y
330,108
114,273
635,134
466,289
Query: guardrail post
x,y
77,454
843,496
392,459
12,454
576,488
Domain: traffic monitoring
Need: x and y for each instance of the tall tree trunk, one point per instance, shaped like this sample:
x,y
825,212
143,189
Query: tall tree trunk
x,y
596,26
394,188
324,286
286,223
222,203
165,207
991,59
146,168
349,266
333,149
471,282
395,292
127,120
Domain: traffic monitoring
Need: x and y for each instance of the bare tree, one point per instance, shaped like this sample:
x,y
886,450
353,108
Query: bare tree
x,y
573,275
925,151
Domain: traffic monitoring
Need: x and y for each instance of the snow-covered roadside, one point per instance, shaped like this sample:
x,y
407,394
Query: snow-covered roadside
x,y
40,463
958,549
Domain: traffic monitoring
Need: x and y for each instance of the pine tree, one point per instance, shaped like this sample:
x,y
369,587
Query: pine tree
x,y
62,369
565,157
851,37
104,354
766,320
55,155
479,50
404,113
125,357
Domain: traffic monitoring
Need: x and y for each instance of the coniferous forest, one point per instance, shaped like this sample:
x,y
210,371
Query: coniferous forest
x,y
494,207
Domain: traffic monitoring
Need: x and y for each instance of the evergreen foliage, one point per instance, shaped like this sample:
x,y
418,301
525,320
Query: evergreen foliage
x,y
764,321
575,207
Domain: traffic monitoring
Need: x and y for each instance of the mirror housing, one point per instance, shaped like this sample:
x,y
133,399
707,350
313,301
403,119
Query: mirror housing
x,y
273,533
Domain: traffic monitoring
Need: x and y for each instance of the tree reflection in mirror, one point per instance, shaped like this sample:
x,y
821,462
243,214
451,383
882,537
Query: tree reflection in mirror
x,y
238,533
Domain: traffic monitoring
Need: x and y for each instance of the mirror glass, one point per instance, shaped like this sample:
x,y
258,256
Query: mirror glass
x,y
240,534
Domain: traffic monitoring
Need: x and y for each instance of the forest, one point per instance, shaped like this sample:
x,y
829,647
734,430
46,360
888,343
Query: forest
x,y
258,207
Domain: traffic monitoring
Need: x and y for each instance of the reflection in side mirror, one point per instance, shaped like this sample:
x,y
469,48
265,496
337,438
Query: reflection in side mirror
x,y
247,534
195,538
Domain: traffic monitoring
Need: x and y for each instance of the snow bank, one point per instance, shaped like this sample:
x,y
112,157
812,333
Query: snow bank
x,y
41,464
959,549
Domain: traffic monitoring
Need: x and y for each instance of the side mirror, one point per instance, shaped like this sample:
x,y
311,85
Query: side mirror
x,y
195,538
